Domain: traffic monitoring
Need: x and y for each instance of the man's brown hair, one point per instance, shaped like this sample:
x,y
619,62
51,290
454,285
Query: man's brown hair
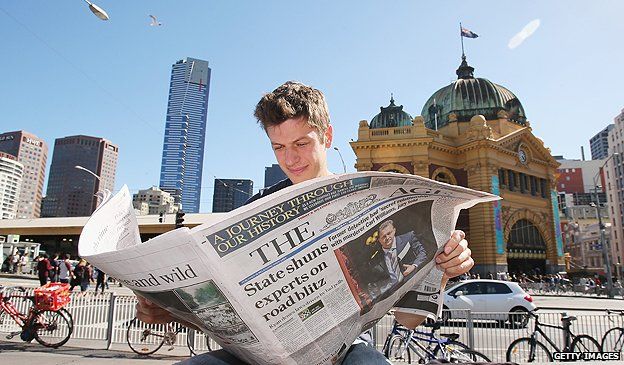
x,y
293,100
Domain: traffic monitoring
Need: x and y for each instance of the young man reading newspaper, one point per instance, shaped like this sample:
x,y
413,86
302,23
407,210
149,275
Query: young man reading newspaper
x,y
295,117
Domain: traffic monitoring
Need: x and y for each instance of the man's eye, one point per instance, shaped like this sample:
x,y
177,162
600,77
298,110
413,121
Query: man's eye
x,y
276,148
302,144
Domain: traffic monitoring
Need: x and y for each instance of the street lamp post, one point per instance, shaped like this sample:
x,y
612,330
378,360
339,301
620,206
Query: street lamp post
x,y
97,194
97,11
344,167
605,246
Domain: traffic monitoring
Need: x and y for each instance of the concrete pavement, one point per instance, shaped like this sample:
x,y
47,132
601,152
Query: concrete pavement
x,y
20,353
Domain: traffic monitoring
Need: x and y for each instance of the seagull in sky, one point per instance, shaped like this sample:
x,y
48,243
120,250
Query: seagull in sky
x,y
155,21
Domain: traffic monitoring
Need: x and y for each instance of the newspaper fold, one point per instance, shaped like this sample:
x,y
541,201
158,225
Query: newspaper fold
x,y
296,276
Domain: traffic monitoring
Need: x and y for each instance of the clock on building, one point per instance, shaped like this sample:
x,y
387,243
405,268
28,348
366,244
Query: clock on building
x,y
522,156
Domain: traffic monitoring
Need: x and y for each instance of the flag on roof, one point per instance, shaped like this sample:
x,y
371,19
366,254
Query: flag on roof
x,y
468,33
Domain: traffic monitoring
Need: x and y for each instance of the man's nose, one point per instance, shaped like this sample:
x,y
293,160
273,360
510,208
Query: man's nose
x,y
292,157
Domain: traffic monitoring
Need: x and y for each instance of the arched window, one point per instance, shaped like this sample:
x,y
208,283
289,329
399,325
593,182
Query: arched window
x,y
525,235
442,177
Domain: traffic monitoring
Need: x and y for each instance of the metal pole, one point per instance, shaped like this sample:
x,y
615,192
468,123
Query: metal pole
x,y
111,320
603,243
344,167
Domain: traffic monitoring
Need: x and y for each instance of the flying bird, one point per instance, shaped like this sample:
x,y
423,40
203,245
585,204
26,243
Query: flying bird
x,y
525,33
155,21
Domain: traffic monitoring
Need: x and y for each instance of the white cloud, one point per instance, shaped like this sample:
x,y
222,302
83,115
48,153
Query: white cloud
x,y
525,33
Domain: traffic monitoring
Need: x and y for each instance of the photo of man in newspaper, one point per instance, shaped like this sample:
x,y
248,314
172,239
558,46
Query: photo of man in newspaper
x,y
378,262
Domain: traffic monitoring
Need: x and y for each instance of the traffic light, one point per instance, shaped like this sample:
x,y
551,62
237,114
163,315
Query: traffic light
x,y
179,219
161,216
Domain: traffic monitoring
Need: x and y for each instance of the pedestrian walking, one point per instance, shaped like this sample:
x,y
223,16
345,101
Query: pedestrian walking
x,y
82,276
56,265
65,270
43,269
100,281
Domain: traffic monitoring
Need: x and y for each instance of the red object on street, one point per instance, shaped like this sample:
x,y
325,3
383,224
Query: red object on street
x,y
52,296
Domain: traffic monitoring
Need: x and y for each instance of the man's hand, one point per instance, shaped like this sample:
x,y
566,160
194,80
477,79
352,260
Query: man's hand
x,y
455,259
149,312
407,269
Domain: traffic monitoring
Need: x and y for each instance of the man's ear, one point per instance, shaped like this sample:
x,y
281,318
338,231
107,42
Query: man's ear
x,y
329,135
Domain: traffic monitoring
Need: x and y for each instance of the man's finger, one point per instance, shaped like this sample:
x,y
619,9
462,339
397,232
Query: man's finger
x,y
459,248
464,267
456,237
457,260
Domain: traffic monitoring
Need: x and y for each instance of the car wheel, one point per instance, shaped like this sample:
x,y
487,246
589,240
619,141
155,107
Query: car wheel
x,y
518,317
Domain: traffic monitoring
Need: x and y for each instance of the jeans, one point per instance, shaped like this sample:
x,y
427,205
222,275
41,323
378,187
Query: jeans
x,y
359,353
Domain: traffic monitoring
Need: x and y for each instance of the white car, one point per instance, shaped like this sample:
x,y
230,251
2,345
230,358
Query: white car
x,y
488,299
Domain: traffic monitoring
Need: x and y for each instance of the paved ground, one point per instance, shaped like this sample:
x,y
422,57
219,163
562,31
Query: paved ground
x,y
14,353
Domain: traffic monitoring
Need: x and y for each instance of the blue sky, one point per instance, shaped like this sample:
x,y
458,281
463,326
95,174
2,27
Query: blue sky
x,y
66,72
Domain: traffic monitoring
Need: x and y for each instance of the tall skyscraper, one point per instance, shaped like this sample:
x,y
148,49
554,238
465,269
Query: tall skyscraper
x,y
32,153
185,132
71,191
272,175
599,144
10,184
230,194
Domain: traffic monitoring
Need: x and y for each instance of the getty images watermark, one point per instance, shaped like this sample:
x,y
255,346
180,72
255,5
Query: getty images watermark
x,y
585,356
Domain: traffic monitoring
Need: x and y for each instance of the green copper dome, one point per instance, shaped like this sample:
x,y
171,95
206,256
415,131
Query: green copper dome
x,y
470,96
391,116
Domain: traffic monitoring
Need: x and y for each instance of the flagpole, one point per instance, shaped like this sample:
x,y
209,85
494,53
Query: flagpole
x,y
462,39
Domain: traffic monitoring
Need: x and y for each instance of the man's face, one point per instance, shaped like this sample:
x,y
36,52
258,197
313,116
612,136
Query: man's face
x,y
299,150
386,236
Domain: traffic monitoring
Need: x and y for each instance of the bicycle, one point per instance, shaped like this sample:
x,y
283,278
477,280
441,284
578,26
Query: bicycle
x,y
145,339
613,339
529,349
401,342
51,328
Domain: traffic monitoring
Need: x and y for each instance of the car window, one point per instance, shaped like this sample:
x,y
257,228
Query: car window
x,y
461,288
497,288
472,289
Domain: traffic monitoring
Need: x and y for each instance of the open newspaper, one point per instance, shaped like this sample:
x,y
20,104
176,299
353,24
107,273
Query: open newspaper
x,y
296,276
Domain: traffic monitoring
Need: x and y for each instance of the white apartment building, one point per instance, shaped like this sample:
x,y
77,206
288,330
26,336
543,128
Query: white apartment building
x,y
11,174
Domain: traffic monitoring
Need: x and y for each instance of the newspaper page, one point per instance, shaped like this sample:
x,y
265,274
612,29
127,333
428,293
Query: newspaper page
x,y
296,276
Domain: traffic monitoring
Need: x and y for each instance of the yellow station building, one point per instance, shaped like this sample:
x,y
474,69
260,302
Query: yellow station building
x,y
475,133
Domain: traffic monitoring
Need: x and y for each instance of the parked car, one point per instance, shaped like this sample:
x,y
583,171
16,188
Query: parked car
x,y
497,300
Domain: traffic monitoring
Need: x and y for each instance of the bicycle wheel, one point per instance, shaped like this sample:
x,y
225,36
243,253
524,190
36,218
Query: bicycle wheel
x,y
197,344
144,338
613,340
527,349
67,315
467,355
584,343
52,328
396,349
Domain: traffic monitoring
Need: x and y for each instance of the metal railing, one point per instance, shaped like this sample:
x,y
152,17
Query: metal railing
x,y
106,318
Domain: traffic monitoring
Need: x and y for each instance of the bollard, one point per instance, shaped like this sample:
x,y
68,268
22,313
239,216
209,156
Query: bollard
x,y
111,320
470,328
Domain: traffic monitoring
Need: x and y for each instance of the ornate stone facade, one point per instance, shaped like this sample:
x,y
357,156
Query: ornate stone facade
x,y
499,155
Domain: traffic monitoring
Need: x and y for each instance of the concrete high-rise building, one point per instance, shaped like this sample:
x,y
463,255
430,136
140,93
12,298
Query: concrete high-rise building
x,y
71,191
154,201
32,153
185,132
230,194
614,181
272,175
599,144
11,172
